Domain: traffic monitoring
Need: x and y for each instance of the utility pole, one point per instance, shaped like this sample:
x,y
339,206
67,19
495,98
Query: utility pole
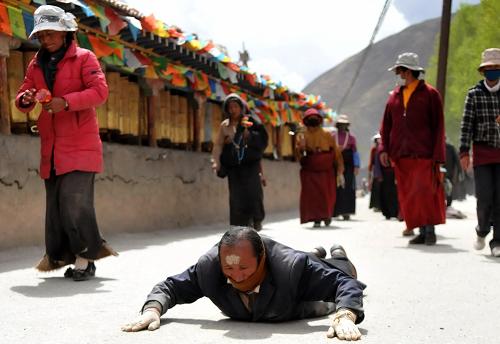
x,y
444,38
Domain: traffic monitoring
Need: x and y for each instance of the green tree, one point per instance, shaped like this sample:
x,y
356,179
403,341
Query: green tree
x,y
473,29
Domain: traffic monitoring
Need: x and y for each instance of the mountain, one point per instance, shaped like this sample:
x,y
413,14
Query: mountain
x,y
366,101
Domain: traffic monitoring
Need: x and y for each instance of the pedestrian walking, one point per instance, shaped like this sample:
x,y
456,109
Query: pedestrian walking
x,y
345,204
69,83
374,174
481,126
237,154
389,204
320,162
413,139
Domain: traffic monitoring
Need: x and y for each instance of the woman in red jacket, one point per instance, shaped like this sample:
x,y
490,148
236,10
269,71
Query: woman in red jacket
x,y
69,83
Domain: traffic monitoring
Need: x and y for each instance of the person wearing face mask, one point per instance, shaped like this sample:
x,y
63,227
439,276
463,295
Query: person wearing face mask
x,y
256,279
481,126
237,154
345,204
413,138
71,151
320,162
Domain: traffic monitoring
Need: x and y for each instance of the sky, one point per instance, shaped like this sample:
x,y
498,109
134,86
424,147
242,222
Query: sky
x,y
293,41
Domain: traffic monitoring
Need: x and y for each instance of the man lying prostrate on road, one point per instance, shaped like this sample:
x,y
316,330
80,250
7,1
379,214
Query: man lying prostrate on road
x,y
253,278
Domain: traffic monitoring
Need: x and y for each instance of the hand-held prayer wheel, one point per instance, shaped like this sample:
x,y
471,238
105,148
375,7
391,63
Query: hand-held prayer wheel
x,y
43,96
246,122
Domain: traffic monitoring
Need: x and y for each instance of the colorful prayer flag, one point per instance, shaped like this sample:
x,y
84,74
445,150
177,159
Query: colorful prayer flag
x,y
100,47
4,21
149,23
116,24
28,22
17,22
83,41
133,28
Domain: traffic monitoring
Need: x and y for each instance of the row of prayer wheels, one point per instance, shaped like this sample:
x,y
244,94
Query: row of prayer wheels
x,y
126,112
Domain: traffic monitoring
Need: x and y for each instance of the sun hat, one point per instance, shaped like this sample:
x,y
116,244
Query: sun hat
x,y
49,17
408,60
343,119
490,57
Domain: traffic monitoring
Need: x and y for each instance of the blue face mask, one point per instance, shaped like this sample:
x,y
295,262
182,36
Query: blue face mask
x,y
492,75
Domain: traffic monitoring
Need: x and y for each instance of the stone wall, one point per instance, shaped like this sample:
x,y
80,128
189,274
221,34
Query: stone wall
x,y
141,189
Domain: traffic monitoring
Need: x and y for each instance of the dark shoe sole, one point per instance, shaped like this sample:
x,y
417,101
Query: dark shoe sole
x,y
84,275
418,240
319,252
337,251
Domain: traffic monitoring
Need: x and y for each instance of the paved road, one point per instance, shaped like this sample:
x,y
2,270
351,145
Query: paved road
x,y
448,293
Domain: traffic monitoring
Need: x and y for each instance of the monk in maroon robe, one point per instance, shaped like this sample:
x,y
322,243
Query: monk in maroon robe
x,y
321,161
413,138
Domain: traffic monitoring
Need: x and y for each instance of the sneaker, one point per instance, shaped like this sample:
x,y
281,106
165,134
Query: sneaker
x,y
479,243
327,222
408,232
317,224
495,251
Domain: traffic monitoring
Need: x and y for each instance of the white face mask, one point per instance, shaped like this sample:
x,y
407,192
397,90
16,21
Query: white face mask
x,y
399,81
493,89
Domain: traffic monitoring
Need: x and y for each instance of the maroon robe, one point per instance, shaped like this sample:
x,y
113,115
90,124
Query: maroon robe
x,y
414,139
420,192
318,181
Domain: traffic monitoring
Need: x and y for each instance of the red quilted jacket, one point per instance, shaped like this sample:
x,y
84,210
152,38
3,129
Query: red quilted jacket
x,y
72,135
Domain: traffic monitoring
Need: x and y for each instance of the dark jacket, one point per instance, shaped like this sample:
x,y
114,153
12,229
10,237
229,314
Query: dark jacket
x,y
478,121
417,132
294,279
250,151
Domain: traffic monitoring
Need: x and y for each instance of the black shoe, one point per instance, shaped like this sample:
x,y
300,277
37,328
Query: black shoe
x,y
84,275
337,251
319,252
346,217
257,225
430,239
327,222
418,240
317,224
68,273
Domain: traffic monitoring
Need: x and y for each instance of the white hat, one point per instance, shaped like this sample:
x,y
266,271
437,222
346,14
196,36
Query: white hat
x,y
490,57
343,119
49,17
408,60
